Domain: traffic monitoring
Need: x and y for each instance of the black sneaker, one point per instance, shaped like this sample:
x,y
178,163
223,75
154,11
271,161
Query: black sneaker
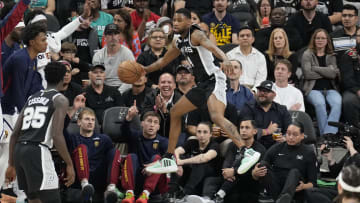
x,y
87,192
284,198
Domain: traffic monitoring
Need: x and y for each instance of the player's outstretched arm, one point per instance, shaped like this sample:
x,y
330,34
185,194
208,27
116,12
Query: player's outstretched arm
x,y
172,53
61,106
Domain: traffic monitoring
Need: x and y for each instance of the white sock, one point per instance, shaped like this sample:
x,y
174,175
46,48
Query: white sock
x,y
84,182
130,191
221,193
146,192
111,187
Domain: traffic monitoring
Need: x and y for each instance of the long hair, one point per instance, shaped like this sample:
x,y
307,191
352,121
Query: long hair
x,y
286,53
129,30
329,49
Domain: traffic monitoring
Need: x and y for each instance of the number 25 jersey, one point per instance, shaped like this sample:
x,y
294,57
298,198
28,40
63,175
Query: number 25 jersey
x,y
38,117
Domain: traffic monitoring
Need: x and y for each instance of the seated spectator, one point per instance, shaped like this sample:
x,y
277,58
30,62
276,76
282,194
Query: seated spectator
x,y
277,20
80,68
350,75
144,147
185,78
253,62
230,187
137,92
244,12
320,86
112,55
143,19
93,155
86,41
198,159
21,78
48,6
332,9
287,94
279,49
268,114
157,49
343,38
290,7
99,18
237,94
222,24
307,20
263,13
288,167
128,37
69,89
162,100
100,96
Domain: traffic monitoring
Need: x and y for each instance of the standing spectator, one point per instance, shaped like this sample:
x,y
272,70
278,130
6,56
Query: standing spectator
x,y
100,18
287,94
86,40
290,166
350,74
144,147
253,62
307,20
157,49
143,19
128,37
99,96
320,73
12,42
332,9
137,92
343,38
222,24
279,49
268,114
237,94
111,56
263,13
277,20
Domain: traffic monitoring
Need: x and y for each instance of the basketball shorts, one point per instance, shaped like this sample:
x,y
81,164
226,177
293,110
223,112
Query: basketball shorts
x,y
199,94
34,167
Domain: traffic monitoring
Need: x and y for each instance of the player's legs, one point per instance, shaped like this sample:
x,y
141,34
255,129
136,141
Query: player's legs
x,y
216,111
180,108
45,196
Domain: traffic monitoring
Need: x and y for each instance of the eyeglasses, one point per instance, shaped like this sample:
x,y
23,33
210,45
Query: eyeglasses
x,y
347,15
157,37
320,38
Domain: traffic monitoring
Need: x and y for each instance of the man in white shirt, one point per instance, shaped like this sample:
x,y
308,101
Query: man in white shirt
x,y
286,94
252,60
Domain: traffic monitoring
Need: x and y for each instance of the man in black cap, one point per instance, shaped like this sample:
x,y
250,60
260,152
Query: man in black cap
x,y
98,95
268,114
185,78
112,55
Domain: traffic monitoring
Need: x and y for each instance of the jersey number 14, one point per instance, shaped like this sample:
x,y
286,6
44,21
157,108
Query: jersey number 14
x,y
34,117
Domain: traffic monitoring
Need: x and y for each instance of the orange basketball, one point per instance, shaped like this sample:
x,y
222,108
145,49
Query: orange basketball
x,y
130,71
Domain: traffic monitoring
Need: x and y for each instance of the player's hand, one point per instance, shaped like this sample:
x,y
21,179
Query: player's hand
x,y
259,171
227,67
70,176
132,112
10,174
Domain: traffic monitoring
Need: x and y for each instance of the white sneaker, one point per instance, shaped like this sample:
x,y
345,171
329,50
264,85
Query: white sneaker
x,y
198,199
162,166
251,157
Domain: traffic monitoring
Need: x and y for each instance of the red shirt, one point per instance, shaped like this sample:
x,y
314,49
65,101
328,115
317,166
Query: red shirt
x,y
150,23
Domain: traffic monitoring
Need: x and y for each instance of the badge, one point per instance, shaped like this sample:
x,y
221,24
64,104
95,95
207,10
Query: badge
x,y
212,24
155,144
96,143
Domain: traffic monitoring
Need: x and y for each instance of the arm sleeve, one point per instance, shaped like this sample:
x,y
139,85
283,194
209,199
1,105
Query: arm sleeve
x,y
68,29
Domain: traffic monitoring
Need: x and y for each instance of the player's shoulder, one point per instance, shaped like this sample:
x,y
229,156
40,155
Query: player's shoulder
x,y
60,100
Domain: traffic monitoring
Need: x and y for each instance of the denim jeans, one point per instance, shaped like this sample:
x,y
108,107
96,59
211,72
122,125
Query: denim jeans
x,y
318,99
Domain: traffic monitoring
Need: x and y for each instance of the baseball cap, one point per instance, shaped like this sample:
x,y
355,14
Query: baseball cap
x,y
95,66
112,29
184,67
267,84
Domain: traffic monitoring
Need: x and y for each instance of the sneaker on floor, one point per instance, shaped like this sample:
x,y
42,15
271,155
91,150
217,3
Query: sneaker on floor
x,y
198,199
164,165
218,199
87,192
129,198
143,198
284,198
111,194
251,157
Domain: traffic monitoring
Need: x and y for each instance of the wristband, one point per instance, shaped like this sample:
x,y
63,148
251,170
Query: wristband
x,y
266,131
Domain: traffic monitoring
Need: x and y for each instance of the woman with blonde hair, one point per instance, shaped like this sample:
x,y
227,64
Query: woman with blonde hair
x,y
279,49
320,73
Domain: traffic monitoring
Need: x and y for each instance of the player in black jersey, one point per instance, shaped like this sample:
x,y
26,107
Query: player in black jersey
x,y
39,126
209,92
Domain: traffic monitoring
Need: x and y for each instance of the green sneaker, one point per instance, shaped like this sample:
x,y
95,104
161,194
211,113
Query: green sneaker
x,y
251,157
164,165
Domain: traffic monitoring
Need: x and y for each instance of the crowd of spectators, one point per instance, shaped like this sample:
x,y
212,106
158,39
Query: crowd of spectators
x,y
287,56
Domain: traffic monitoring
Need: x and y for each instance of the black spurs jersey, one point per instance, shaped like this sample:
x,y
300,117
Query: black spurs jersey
x,y
201,59
38,116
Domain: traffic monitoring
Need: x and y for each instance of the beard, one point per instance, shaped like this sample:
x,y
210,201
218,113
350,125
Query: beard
x,y
99,82
264,102
309,9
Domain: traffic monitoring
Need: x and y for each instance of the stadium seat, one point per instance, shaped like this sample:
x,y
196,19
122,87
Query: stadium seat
x,y
304,118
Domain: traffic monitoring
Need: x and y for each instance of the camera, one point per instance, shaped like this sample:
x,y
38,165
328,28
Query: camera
x,y
345,129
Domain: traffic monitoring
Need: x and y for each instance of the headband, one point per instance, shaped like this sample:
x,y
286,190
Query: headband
x,y
346,186
38,18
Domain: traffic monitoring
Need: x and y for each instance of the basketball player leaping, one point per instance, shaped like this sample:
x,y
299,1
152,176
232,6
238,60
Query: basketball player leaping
x,y
40,124
211,84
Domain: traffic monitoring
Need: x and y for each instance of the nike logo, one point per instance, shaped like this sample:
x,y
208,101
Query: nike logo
x,y
281,154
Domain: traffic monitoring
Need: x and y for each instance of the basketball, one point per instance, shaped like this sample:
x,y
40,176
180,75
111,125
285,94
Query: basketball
x,y
130,71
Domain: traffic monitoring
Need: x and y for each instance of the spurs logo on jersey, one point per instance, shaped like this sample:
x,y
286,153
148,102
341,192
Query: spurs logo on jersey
x,y
37,118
